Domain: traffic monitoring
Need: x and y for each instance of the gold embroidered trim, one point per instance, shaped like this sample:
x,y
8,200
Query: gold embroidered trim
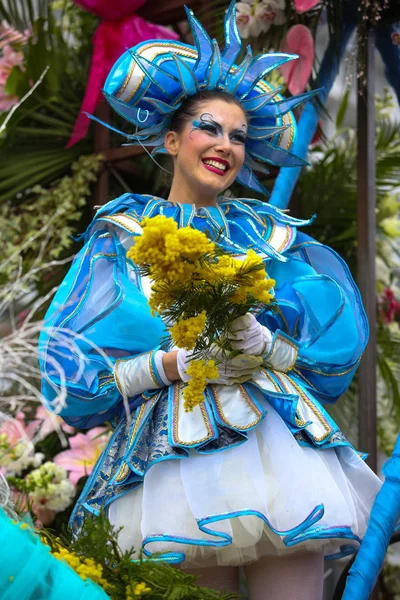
x,y
115,219
271,379
296,246
177,389
300,420
296,324
271,235
116,379
288,118
151,369
287,235
331,374
166,45
304,378
249,402
124,469
278,309
107,382
315,410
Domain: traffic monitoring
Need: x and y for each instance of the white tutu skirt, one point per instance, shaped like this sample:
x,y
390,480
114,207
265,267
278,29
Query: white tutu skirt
x,y
267,496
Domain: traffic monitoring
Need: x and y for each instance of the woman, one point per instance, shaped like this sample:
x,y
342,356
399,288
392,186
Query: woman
x,y
259,475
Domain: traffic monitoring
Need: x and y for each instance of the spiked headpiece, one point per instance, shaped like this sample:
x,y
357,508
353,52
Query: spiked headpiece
x,y
149,82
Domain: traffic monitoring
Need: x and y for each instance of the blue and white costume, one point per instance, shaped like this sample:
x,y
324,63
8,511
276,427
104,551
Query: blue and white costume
x,y
260,467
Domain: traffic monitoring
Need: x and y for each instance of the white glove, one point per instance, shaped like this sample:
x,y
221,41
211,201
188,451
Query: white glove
x,y
231,370
136,375
249,337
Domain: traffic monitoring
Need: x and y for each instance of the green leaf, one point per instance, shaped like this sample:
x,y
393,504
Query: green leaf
x,y
342,109
16,84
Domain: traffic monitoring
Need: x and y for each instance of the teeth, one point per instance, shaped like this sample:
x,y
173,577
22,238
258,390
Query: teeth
x,y
214,163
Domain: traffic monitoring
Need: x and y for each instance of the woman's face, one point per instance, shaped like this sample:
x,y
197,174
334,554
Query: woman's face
x,y
210,150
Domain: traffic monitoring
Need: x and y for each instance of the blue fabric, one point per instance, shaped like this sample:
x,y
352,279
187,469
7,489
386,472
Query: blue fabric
x,y
116,324
147,90
319,304
384,516
322,310
29,572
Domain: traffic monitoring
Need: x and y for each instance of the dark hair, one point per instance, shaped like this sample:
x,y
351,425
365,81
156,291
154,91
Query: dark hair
x,y
190,106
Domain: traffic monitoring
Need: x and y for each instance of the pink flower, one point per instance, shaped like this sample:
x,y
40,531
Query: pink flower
x,y
8,61
84,452
305,5
396,38
46,422
10,35
15,429
297,72
17,452
390,307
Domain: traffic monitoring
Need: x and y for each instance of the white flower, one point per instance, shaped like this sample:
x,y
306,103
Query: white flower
x,y
20,458
269,12
256,16
244,19
37,459
50,488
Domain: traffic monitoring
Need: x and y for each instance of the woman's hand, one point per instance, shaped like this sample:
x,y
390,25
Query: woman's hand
x,y
249,337
169,361
238,369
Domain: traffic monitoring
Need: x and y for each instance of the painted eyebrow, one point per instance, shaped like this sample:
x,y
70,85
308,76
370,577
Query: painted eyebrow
x,y
218,126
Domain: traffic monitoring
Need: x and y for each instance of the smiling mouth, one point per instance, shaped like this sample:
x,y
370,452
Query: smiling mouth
x,y
220,167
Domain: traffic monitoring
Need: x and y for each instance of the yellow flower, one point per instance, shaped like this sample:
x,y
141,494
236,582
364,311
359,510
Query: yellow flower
x,y
253,260
257,284
200,372
194,244
134,591
149,248
261,290
86,568
171,254
225,267
186,331
160,298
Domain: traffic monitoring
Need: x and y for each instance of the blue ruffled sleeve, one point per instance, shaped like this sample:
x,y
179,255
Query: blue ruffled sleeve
x,y
97,317
320,313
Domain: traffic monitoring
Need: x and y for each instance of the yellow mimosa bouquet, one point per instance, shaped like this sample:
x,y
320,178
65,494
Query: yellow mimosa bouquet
x,y
198,290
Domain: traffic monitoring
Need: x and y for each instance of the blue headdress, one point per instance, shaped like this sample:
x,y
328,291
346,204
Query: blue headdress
x,y
149,82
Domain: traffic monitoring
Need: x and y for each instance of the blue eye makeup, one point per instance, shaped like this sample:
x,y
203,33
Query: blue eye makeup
x,y
207,123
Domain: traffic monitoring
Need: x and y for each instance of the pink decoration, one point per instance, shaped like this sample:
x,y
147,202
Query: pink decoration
x,y
390,307
17,450
8,61
297,72
396,38
15,430
305,5
85,450
119,30
10,36
44,515
45,423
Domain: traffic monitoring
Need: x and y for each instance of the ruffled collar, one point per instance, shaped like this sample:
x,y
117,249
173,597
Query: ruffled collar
x,y
238,224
